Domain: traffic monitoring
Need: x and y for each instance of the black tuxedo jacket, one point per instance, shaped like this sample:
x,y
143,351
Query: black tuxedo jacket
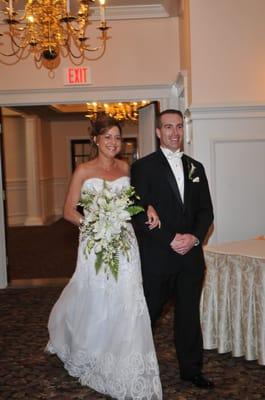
x,y
155,183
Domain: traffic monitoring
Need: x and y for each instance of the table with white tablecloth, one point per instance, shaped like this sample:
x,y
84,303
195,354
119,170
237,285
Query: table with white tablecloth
x,y
233,299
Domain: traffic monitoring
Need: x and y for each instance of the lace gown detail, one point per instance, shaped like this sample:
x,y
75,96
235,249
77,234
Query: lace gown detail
x,y
100,328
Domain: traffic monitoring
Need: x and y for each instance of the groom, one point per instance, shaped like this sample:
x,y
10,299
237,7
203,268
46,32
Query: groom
x,y
172,257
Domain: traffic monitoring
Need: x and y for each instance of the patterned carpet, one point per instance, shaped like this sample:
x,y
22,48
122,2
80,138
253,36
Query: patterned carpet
x,y
26,372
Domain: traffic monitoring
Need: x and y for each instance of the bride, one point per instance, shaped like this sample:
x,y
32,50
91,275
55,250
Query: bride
x,y
100,327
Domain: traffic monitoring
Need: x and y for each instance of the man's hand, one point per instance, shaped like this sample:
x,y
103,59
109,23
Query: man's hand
x,y
182,243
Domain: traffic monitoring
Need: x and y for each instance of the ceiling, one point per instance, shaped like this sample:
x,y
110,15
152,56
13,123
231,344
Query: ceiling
x,y
50,112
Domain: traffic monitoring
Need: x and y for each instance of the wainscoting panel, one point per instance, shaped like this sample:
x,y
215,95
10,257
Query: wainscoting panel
x,y
47,199
16,192
239,188
230,142
60,186
53,192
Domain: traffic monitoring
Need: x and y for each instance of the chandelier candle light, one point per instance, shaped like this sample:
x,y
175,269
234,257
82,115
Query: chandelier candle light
x,y
47,30
120,111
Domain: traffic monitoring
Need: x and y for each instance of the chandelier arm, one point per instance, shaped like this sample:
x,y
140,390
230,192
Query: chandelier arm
x,y
47,30
76,60
16,54
22,50
18,46
36,58
11,63
84,56
38,63
83,47
99,56
103,38
80,45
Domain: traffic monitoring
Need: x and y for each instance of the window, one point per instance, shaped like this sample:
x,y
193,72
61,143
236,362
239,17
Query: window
x,y
81,151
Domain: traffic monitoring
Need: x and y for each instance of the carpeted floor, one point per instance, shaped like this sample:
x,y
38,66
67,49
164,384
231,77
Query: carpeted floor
x,y
26,372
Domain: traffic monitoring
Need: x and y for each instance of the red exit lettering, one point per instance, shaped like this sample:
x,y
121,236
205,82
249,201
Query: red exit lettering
x,y
77,76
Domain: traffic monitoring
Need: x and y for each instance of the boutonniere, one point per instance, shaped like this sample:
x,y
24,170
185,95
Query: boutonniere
x,y
192,169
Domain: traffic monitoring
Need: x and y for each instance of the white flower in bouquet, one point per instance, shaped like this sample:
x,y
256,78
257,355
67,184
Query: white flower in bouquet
x,y
105,227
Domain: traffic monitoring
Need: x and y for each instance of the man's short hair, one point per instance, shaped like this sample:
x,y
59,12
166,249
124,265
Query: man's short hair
x,y
169,111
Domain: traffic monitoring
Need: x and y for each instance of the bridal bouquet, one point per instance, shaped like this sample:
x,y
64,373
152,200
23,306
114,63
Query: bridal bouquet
x,y
105,227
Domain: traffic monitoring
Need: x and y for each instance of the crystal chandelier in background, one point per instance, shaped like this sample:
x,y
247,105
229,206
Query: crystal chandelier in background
x,y
120,111
48,30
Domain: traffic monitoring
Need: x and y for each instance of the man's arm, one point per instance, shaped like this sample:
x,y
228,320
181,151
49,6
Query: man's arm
x,y
182,243
143,187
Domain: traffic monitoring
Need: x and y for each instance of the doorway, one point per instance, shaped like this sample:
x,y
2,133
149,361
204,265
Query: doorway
x,y
130,153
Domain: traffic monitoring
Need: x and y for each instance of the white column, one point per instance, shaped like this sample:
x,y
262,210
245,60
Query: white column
x,y
34,209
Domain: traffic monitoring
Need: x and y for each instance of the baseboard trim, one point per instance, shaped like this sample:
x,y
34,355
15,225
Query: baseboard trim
x,y
27,283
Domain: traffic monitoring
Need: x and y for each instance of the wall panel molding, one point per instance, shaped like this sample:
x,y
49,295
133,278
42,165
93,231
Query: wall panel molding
x,y
230,142
60,186
53,192
83,94
228,111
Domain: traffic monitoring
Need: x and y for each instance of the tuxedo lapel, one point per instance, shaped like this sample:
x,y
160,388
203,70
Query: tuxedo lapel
x,y
168,174
186,178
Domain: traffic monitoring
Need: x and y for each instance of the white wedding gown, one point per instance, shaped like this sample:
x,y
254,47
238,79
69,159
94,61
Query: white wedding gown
x,y
100,327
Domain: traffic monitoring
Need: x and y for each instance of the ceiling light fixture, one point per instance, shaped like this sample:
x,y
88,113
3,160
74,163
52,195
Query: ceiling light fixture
x,y
119,111
48,30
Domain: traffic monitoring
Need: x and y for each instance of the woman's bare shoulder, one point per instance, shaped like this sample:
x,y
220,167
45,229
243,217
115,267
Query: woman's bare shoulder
x,y
124,166
84,170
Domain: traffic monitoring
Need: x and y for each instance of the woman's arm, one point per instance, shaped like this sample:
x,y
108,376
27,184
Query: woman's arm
x,y
73,195
153,219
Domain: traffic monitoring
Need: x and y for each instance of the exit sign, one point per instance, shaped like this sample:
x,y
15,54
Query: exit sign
x,y
77,76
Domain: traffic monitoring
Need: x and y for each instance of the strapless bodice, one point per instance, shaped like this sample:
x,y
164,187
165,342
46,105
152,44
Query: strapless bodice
x,y
97,183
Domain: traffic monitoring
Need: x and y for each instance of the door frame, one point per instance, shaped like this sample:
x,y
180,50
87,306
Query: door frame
x,y
165,94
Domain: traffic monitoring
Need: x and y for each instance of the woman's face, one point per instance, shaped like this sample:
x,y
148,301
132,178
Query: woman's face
x,y
109,143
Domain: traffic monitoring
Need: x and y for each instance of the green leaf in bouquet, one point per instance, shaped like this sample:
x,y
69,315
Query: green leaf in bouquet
x,y
114,265
133,210
98,262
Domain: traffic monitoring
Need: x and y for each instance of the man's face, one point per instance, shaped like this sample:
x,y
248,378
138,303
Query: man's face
x,y
171,132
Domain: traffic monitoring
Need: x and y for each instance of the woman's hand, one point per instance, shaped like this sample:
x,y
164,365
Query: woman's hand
x,y
153,219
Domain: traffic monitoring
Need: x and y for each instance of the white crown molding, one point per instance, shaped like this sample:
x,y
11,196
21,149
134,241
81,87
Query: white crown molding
x,y
229,111
121,12
136,12
83,94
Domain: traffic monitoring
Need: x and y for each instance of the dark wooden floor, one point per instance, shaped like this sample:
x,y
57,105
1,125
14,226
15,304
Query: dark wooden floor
x,y
42,251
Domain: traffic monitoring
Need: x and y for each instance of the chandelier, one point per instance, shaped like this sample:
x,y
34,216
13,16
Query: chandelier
x,y
48,30
119,111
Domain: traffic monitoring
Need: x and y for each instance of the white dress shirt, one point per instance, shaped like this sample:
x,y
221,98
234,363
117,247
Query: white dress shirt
x,y
175,162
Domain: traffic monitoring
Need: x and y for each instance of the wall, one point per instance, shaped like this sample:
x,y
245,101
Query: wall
x,y
138,53
227,110
184,42
227,51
